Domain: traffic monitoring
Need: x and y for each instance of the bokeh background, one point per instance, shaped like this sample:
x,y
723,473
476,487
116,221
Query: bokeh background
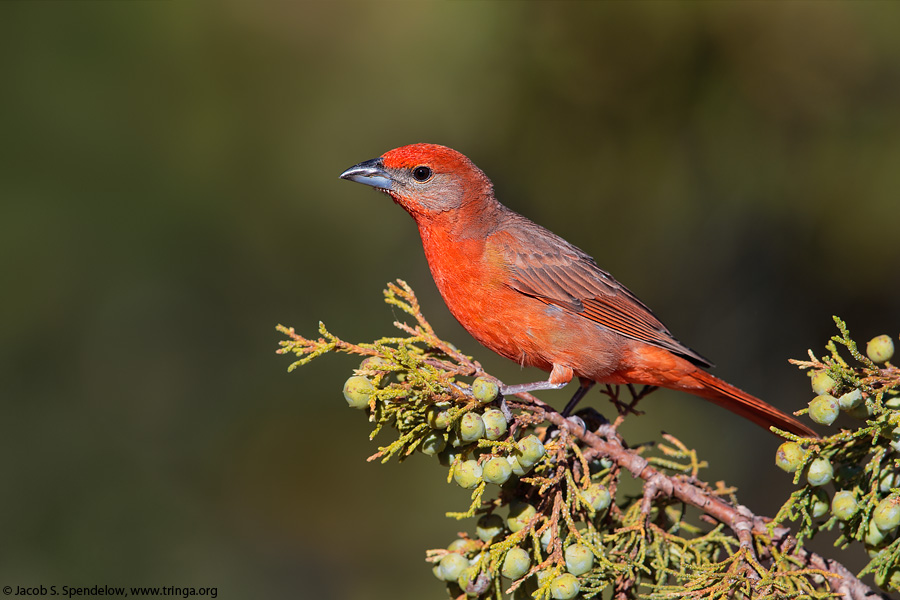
x,y
169,193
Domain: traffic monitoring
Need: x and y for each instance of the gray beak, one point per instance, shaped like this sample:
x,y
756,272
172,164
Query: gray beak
x,y
370,172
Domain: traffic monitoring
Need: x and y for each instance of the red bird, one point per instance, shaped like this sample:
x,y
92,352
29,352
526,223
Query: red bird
x,y
531,296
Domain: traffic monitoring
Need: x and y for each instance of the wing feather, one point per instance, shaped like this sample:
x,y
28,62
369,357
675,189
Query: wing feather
x,y
560,274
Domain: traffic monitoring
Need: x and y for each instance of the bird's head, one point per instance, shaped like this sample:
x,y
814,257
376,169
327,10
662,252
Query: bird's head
x,y
425,179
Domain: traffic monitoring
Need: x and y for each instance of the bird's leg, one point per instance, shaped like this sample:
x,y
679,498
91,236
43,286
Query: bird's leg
x,y
583,387
560,376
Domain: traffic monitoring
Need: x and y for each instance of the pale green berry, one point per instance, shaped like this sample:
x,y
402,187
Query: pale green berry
x,y
520,514
789,456
820,472
462,545
531,450
437,418
467,474
433,443
887,514
489,527
545,538
374,363
895,439
357,391
543,577
892,402
599,465
471,427
844,505
822,383
860,411
494,424
516,563
880,349
889,580
874,535
485,390
466,577
824,409
517,467
452,566
436,569
579,559
497,470
454,440
887,482
893,582
564,587
850,400
597,496
820,504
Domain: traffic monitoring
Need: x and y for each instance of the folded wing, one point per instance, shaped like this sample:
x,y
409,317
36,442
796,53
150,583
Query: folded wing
x,y
558,273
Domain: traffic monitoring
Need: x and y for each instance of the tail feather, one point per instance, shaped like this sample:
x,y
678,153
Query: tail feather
x,y
743,404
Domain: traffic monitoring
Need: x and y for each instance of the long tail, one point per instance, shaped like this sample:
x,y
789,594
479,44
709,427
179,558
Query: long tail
x,y
743,404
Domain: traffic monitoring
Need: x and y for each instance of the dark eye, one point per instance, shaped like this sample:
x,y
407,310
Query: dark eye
x,y
422,173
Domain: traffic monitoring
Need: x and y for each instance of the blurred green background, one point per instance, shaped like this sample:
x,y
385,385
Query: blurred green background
x,y
169,193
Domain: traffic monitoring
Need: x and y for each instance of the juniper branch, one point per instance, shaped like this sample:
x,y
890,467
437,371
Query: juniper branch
x,y
413,378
